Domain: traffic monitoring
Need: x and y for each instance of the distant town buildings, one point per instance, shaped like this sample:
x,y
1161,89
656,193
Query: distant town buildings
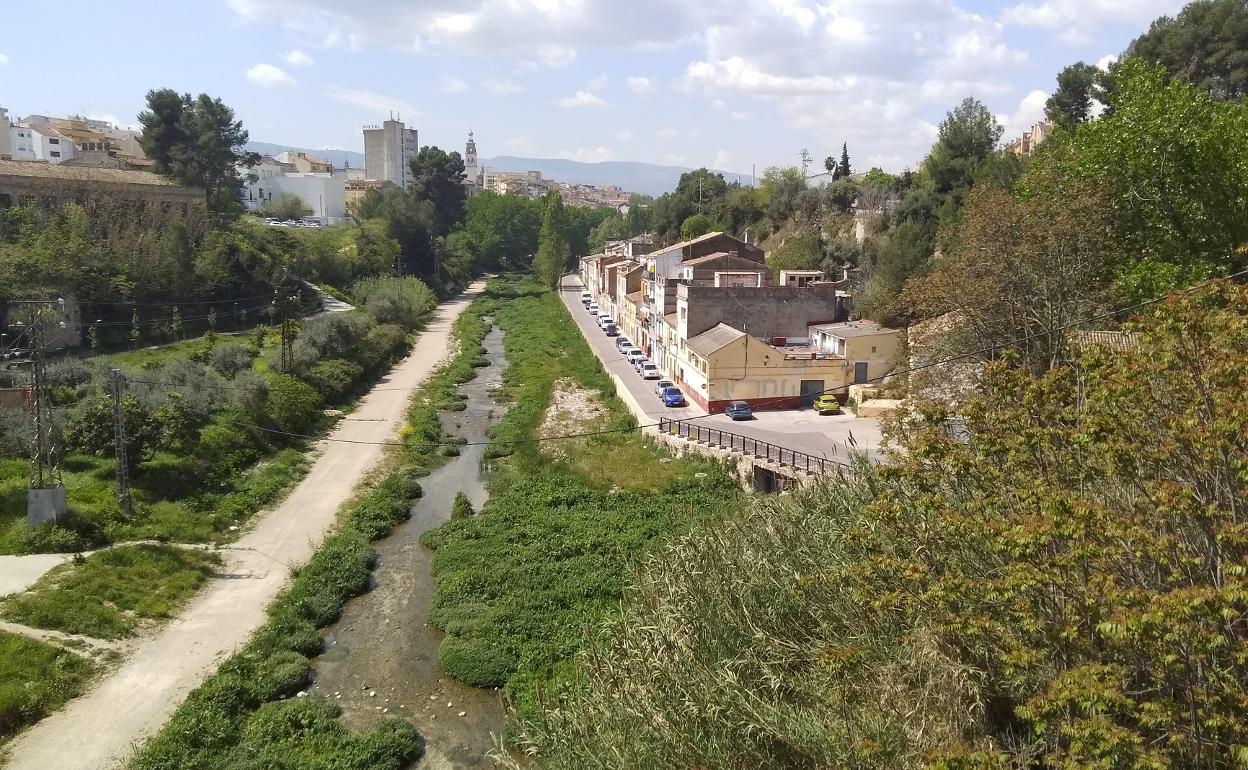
x,y
321,187
1026,144
74,141
388,149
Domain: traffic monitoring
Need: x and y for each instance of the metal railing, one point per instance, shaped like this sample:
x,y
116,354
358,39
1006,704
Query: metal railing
x,y
762,450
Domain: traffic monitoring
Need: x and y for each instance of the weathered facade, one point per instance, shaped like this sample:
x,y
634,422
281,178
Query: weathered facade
x,y
22,182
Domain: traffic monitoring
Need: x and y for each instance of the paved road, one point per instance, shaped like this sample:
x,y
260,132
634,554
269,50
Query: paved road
x,y
803,430
99,730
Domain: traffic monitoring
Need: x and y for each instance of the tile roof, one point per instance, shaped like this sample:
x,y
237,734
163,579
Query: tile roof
x,y
690,242
713,339
37,170
730,260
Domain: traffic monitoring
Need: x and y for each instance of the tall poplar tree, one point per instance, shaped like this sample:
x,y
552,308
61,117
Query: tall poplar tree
x,y
552,242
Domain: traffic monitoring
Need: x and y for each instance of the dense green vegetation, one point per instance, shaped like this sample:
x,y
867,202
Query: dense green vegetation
x,y
35,679
113,591
551,550
244,715
1060,582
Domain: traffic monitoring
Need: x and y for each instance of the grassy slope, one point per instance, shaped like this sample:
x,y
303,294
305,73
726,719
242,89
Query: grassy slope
x,y
111,592
550,553
238,719
35,679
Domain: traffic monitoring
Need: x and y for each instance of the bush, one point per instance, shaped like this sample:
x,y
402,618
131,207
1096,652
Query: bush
x,y
384,344
462,507
250,392
70,373
405,302
478,662
334,378
230,359
35,679
331,335
292,405
225,447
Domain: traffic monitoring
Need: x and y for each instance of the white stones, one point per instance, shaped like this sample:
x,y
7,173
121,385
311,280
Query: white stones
x,y
301,694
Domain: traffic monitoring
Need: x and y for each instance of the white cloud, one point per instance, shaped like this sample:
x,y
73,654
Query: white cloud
x,y
268,76
3,60
1030,111
1106,61
624,135
451,85
1076,22
378,104
112,119
297,58
520,145
589,155
503,87
674,159
639,85
720,106
666,133
581,99
556,55
598,83
721,160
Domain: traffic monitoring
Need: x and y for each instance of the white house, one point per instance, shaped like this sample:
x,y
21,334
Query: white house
x,y
325,194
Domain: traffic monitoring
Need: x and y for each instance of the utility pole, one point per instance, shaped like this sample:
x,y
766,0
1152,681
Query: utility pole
x,y
287,330
805,156
119,444
45,500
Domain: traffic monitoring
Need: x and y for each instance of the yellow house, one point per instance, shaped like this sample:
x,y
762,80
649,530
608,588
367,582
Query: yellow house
x,y
724,364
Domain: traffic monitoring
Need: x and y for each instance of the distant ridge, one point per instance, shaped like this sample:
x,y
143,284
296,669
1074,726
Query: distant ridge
x,y
632,176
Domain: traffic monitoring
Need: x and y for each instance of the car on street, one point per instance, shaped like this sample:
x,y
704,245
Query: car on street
x,y
610,329
826,404
622,343
649,371
739,410
603,320
586,298
673,397
593,309
633,355
637,362
663,385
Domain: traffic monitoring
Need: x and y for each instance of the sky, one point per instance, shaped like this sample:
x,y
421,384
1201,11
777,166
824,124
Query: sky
x,y
731,84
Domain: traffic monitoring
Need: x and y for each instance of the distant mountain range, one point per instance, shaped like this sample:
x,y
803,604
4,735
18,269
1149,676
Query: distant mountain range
x,y
644,178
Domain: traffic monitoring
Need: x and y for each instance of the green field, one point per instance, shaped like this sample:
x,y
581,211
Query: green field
x,y
35,679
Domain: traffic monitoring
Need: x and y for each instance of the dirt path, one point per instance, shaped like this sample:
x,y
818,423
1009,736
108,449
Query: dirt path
x,y
384,644
99,730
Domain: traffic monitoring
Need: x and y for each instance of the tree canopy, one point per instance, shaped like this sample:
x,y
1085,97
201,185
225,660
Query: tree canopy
x,y
1203,46
197,142
438,177
552,246
1071,102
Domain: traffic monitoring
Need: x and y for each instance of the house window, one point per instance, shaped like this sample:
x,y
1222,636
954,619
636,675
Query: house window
x,y
55,153
684,314
54,141
873,348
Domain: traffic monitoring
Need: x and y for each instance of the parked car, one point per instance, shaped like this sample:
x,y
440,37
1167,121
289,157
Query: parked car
x,y
649,371
637,362
586,298
593,309
739,410
663,385
673,397
827,404
603,320
610,329
633,355
622,344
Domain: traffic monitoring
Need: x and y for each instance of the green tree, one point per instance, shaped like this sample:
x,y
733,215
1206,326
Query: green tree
x,y
438,177
286,206
501,230
782,190
1203,46
843,169
698,224
803,251
1071,103
967,135
613,228
877,176
196,141
552,247
1174,158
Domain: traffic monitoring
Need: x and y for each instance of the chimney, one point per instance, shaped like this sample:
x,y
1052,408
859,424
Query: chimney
x,y
747,235
845,272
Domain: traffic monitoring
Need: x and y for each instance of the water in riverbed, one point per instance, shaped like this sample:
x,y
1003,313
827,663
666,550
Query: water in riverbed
x,y
381,656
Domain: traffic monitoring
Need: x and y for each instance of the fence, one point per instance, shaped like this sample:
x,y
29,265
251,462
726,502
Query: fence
x,y
762,450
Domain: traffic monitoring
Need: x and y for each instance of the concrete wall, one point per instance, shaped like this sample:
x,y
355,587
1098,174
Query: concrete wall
x,y
769,311
749,370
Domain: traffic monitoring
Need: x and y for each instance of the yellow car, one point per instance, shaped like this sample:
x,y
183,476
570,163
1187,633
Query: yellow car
x,y
827,405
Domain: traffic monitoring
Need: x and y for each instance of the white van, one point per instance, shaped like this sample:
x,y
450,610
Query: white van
x,y
633,355
586,298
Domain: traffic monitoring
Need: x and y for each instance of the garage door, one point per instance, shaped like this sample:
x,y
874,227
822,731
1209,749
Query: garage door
x,y
811,389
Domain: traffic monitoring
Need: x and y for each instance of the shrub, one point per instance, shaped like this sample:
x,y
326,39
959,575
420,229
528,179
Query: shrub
x,y
478,662
332,335
405,302
292,405
35,679
69,373
462,507
230,359
250,392
334,378
384,344
226,447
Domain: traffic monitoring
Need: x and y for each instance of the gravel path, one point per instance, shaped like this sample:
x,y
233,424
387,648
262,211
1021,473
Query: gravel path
x,y
99,730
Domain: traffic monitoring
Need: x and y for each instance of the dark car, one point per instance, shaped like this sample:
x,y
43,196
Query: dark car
x,y
738,410
673,397
610,329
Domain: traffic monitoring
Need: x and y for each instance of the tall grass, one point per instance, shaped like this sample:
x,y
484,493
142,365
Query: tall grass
x,y
35,679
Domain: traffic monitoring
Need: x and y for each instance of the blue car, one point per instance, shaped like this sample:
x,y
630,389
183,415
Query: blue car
x,y
673,397
738,410
610,329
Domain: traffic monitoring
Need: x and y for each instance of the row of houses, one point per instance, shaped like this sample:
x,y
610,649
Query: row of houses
x,y
72,141
707,312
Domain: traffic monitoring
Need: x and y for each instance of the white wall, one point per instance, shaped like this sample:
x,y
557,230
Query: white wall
x,y
49,147
22,141
325,194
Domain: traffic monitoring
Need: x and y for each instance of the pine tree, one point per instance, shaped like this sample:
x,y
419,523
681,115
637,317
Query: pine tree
x,y
844,167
